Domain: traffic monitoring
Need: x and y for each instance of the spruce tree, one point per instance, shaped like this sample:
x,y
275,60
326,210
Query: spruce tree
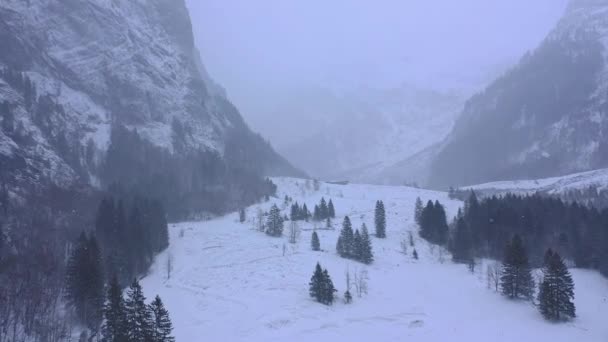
x,y
295,212
380,220
316,213
328,289
340,247
331,211
314,242
137,314
274,223
366,253
556,293
415,254
347,238
305,213
242,215
316,284
357,246
323,210
348,298
115,328
441,224
161,327
516,278
461,246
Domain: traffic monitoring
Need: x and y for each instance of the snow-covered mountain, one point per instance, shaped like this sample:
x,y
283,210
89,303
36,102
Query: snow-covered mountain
x,y
376,129
230,282
545,117
71,70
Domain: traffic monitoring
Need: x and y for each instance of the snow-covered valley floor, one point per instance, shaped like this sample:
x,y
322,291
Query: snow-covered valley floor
x,y
232,283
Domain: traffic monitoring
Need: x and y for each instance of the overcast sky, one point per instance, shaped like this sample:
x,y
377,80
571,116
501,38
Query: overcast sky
x,y
258,48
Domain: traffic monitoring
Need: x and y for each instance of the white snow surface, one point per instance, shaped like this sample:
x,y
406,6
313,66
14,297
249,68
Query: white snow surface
x,y
233,283
553,185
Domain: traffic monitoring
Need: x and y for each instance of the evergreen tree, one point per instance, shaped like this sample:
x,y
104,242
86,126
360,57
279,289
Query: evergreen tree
x,y
380,220
348,298
516,278
357,246
295,212
161,327
418,210
274,224
347,238
433,223
242,215
85,281
340,247
441,222
137,315
328,289
461,246
305,213
323,210
366,254
331,212
556,293
316,284
316,214
315,244
114,328
415,254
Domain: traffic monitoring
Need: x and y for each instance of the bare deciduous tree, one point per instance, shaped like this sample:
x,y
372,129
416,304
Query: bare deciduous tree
x,y
294,232
493,276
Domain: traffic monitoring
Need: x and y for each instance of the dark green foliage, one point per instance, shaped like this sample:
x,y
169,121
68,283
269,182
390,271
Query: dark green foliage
x,y
114,328
461,243
161,323
314,242
323,210
85,282
556,292
579,233
433,223
346,240
357,245
516,276
274,223
190,181
131,235
138,315
242,215
321,287
331,211
380,220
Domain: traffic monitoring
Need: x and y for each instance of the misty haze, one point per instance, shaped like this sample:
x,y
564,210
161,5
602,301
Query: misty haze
x,y
232,170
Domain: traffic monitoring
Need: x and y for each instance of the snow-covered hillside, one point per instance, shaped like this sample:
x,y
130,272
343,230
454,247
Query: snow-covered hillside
x,y
553,185
232,283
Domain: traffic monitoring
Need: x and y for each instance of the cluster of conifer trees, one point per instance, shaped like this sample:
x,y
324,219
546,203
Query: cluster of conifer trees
x,y
380,220
131,233
354,245
321,287
577,232
324,210
274,222
299,213
433,222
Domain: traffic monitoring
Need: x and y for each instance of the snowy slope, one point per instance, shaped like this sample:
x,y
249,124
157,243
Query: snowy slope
x,y
596,178
232,283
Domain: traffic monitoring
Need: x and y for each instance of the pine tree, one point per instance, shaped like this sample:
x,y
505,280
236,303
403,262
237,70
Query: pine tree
x,y
441,222
418,210
346,240
295,212
315,244
328,289
316,213
415,254
323,210
348,298
340,247
330,210
316,284
556,294
274,224
366,254
516,279
380,220
242,215
114,328
305,213
137,314
161,327
462,242
357,246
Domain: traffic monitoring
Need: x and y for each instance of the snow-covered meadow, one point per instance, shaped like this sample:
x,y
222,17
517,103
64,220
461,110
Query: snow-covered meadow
x,y
230,282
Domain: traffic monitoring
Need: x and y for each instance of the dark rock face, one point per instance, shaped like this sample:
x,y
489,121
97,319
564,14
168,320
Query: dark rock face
x,y
73,71
547,116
